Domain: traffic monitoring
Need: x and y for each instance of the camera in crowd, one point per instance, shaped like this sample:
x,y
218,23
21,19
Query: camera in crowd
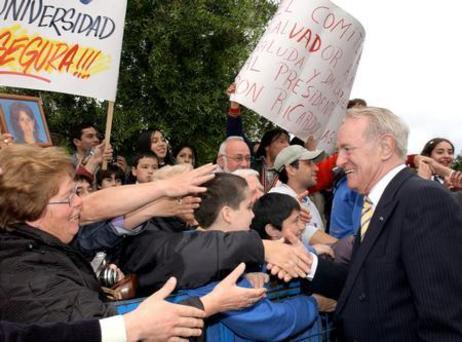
x,y
106,273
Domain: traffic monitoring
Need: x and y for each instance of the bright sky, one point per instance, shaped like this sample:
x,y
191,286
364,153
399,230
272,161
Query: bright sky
x,y
412,64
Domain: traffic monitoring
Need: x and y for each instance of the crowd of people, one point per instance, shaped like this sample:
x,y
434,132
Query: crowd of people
x,y
370,232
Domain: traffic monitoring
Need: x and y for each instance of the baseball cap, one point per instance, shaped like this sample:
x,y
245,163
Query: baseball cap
x,y
292,153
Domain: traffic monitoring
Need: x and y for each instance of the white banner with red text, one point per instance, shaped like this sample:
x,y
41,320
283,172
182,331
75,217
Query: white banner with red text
x,y
301,73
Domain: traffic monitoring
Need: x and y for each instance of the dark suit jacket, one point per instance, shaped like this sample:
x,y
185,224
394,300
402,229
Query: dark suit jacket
x,y
88,331
405,279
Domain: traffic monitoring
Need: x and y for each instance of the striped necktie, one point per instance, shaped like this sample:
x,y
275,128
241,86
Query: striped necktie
x,y
366,215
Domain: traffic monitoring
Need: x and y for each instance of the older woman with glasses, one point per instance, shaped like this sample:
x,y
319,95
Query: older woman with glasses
x,y
42,278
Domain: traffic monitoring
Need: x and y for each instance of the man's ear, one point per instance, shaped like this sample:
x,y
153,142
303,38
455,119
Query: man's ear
x,y
388,146
290,170
221,162
134,171
272,232
76,142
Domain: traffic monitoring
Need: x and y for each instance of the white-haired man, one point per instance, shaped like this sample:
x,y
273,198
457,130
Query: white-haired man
x,y
233,154
404,279
251,176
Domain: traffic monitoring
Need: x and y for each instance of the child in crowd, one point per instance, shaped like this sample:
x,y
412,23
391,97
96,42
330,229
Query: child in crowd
x,y
185,154
144,166
227,206
112,176
83,185
278,216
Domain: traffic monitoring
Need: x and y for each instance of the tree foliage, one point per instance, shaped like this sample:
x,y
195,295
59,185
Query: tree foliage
x,y
178,58
458,163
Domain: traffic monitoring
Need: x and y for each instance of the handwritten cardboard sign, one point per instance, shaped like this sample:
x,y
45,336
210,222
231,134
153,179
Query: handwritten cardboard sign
x,y
68,46
301,72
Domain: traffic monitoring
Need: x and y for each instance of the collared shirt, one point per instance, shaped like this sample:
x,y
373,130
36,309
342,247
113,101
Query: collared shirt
x,y
374,196
377,190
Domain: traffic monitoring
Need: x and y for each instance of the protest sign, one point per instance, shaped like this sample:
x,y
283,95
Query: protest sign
x,y
68,46
301,72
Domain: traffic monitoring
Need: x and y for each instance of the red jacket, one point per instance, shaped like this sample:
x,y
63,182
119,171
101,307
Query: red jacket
x,y
325,175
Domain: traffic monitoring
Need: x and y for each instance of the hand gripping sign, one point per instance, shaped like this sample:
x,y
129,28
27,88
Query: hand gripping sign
x,y
301,72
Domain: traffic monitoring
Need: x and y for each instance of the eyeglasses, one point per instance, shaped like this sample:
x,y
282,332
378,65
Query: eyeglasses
x,y
68,200
239,158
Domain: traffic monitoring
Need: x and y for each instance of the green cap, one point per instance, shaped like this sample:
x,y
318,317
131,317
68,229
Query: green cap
x,y
292,153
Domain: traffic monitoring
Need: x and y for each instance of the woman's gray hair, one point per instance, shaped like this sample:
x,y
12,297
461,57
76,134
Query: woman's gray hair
x,y
382,121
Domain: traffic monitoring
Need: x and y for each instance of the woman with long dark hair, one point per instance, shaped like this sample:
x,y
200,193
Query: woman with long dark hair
x,y
440,154
440,150
154,141
24,124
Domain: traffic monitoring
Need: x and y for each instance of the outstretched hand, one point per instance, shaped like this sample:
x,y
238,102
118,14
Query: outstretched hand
x,y
455,178
169,206
158,320
228,296
287,261
189,182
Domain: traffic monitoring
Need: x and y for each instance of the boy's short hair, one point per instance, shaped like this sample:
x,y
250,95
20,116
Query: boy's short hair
x,y
147,154
272,208
111,170
224,189
81,177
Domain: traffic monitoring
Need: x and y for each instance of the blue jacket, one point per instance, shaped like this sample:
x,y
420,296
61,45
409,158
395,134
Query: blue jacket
x,y
346,210
265,321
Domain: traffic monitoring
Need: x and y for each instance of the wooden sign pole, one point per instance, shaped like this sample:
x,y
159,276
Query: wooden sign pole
x,y
107,134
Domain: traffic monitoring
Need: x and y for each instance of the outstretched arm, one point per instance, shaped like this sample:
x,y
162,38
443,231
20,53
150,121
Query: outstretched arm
x,y
163,207
196,258
117,201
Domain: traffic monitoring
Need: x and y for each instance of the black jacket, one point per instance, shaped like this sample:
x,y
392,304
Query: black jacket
x,y
88,331
44,280
194,258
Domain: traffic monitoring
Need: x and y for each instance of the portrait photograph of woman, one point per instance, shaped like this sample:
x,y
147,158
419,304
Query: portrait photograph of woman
x,y
23,117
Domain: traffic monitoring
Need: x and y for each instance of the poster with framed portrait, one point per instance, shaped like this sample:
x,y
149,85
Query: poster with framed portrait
x,y
23,117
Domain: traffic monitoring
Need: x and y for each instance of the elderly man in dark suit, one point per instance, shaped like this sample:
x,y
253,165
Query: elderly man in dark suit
x,y
404,282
